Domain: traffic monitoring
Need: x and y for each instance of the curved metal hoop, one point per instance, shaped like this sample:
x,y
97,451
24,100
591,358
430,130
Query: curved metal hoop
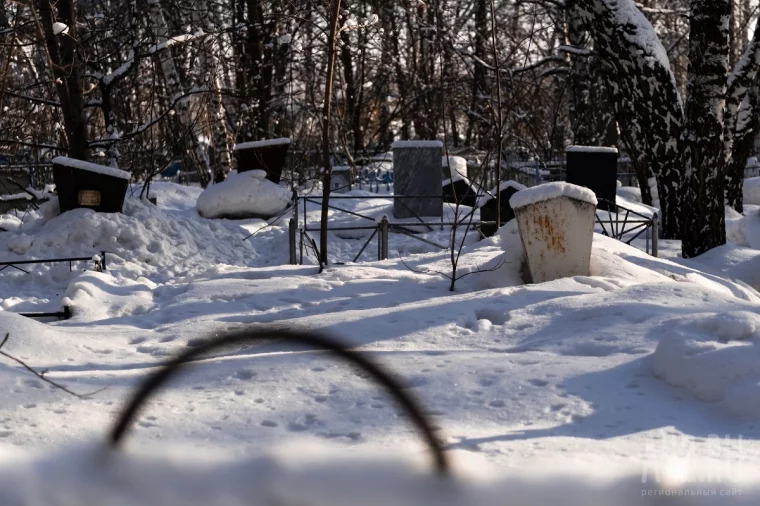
x,y
156,380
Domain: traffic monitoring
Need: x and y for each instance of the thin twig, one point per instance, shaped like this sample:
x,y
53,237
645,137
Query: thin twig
x,y
41,375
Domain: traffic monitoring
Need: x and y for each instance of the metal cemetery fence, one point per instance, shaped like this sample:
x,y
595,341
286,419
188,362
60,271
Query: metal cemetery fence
x,y
619,223
100,266
299,232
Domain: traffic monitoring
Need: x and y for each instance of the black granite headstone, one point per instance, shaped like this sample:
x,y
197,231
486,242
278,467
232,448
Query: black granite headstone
x,y
269,155
459,191
84,184
490,210
596,169
417,176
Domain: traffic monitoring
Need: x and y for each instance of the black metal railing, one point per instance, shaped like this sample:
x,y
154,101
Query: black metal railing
x,y
299,232
630,226
100,262
65,313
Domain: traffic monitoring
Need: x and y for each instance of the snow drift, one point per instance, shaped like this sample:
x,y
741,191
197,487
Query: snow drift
x,y
716,357
93,475
144,240
244,195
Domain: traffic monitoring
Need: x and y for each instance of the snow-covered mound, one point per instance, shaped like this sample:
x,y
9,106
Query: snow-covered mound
x,y
716,357
751,191
630,193
244,195
94,475
144,240
171,196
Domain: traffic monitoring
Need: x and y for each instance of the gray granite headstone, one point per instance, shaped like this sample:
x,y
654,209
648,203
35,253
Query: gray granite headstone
x,y
340,180
417,171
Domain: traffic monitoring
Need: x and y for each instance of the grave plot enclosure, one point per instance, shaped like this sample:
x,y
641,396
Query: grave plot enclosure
x,y
269,155
417,174
596,169
85,184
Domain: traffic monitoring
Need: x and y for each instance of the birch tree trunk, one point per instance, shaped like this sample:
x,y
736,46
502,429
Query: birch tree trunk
x,y
643,91
211,71
187,139
704,212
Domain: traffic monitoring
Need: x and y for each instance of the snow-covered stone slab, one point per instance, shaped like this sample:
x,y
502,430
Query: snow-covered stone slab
x,y
556,224
590,149
417,170
91,167
262,143
269,155
416,144
550,191
86,184
243,195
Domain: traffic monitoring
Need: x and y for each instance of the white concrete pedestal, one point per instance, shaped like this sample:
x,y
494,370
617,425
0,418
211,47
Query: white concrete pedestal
x,y
556,227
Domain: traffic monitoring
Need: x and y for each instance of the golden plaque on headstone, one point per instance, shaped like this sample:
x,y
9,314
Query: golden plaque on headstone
x,y
90,198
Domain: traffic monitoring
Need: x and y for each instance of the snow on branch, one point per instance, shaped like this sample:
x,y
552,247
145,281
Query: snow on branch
x,y
352,24
655,10
152,50
526,68
577,51
145,126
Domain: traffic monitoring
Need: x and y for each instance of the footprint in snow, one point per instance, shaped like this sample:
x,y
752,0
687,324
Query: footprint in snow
x,y
245,374
537,382
269,423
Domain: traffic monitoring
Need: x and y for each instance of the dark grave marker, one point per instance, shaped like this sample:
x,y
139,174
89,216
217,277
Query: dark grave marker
x,y
595,168
269,155
417,174
490,210
85,184
456,186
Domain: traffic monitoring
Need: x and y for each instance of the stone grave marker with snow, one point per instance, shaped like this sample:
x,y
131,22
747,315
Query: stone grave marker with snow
x,y
456,185
341,179
417,173
490,210
85,184
595,168
556,225
269,155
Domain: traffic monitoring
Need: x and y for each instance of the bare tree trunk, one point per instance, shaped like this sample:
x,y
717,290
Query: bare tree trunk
x,y
61,50
326,180
479,84
704,212
350,97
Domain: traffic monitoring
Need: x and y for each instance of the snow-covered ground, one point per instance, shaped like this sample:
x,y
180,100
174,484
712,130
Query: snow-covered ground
x,y
648,360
